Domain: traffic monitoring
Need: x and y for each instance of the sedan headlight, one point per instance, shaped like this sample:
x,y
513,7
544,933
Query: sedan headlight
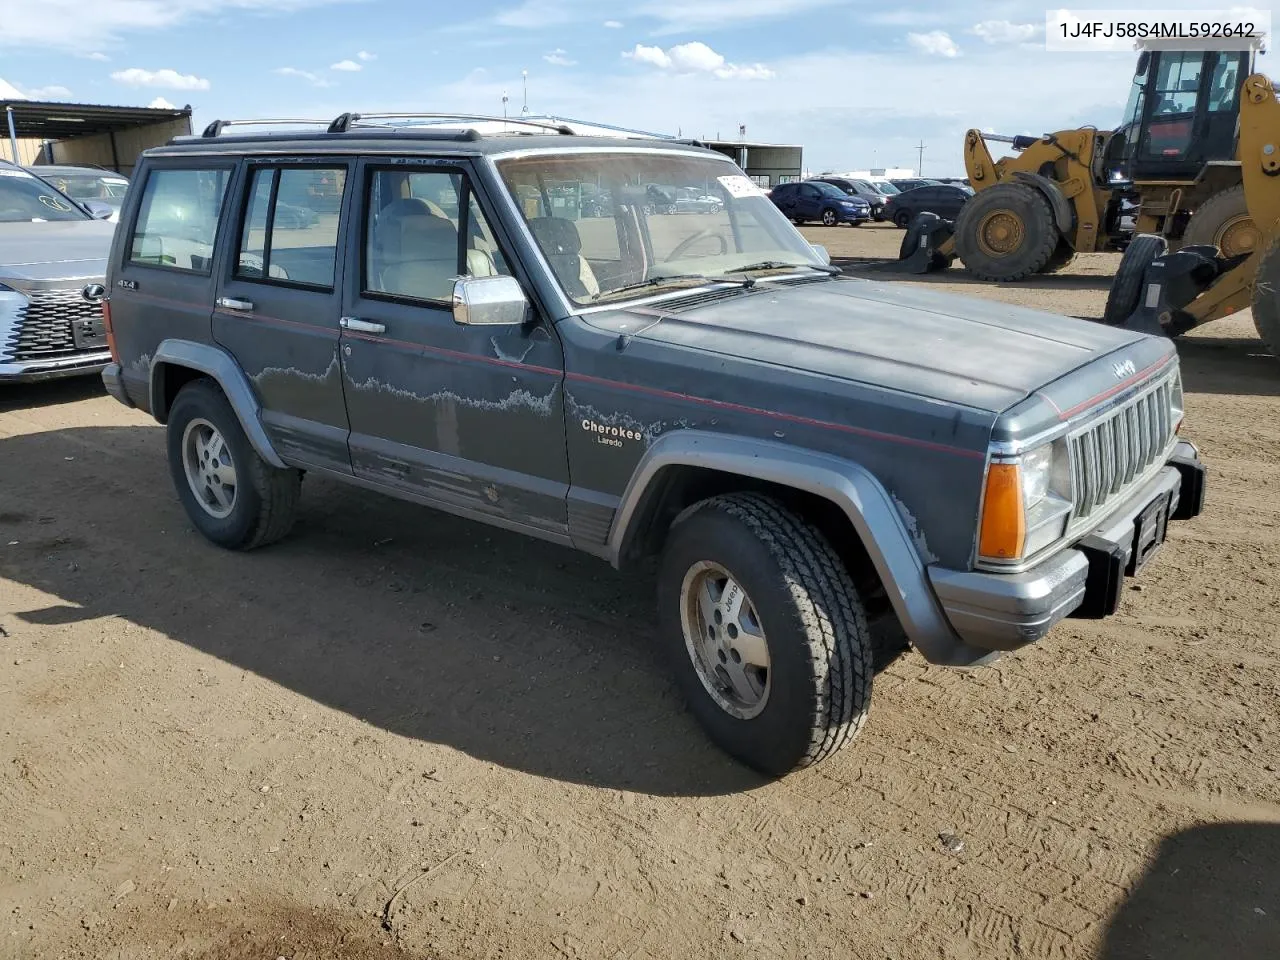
x,y
1026,503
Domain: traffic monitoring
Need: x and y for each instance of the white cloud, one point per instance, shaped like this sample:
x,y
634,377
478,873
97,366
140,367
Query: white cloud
x,y
27,25
54,92
613,24
346,66
697,57
366,55
98,56
558,58
166,78
311,78
1005,31
160,103
937,43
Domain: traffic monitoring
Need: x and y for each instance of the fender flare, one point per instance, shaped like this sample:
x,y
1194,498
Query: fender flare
x,y
1060,205
868,505
218,364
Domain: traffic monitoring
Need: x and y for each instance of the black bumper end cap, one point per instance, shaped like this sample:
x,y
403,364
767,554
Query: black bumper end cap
x,y
1104,581
1191,493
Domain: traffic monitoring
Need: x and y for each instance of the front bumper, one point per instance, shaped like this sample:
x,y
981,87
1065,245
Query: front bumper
x,y
995,611
30,371
854,216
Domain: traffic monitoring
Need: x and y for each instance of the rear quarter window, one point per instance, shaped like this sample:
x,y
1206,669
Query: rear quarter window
x,y
178,219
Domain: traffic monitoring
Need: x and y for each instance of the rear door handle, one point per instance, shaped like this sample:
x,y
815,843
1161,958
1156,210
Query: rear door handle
x,y
363,326
232,303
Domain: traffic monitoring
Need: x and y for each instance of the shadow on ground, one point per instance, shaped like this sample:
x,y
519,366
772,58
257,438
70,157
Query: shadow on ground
x,y
886,269
517,652
1234,366
1212,892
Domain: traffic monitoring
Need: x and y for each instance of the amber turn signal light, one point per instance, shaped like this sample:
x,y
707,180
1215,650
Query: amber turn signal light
x,y
1004,521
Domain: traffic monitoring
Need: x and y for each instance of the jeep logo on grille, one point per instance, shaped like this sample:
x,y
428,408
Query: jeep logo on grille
x,y
1124,369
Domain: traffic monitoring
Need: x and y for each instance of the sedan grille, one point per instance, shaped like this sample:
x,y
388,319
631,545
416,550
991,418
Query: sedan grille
x,y
1111,454
43,329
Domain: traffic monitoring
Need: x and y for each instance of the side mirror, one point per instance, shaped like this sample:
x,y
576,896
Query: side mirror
x,y
821,251
94,293
489,301
99,210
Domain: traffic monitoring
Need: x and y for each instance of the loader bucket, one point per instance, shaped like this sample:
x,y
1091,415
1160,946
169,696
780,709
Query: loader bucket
x,y
922,248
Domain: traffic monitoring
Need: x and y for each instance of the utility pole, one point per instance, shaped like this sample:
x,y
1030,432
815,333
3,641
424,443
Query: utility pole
x,y
920,160
524,77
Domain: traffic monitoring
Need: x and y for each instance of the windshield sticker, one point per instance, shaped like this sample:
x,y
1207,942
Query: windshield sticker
x,y
739,186
114,180
6,172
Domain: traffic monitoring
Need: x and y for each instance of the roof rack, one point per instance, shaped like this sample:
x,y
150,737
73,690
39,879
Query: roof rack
x,y
216,128
344,122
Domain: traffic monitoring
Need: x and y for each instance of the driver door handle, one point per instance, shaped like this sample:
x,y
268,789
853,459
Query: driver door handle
x,y
362,326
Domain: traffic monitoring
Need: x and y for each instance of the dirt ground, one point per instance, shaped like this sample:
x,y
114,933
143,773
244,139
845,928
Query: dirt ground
x,y
400,734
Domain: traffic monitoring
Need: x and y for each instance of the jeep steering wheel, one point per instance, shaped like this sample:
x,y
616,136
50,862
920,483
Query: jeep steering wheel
x,y
688,242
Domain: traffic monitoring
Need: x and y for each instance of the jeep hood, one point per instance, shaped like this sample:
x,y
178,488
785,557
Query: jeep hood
x,y
963,350
55,250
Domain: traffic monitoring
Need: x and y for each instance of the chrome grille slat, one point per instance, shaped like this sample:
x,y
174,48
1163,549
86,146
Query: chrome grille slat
x,y
42,328
1119,448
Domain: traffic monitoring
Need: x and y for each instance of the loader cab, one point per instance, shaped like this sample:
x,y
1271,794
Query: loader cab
x,y
1183,112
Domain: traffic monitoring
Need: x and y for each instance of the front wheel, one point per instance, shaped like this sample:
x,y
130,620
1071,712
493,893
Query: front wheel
x,y
232,496
765,632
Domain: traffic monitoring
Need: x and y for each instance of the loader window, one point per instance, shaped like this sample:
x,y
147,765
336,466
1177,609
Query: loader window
x,y
1224,90
1178,82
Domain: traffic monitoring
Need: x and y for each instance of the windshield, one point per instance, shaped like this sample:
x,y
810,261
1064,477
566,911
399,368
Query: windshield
x,y
24,198
619,225
88,186
887,188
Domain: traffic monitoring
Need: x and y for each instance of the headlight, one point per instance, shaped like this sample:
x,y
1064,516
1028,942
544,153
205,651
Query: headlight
x,y
1026,503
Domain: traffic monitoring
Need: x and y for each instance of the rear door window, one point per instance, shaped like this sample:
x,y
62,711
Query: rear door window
x,y
290,229
178,219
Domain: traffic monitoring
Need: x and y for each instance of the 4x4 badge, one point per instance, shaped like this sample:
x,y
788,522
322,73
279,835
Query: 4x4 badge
x,y
1124,369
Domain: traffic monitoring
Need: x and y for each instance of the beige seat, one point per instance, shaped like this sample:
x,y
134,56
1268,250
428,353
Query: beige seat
x,y
415,252
562,245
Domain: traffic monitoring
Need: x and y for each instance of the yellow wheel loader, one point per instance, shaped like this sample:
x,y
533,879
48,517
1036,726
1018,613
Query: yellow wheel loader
x,y
1173,160
1162,291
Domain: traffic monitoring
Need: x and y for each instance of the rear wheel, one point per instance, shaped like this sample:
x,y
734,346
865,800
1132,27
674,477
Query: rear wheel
x,y
1223,221
232,496
1126,289
765,631
1063,254
829,218
1006,232
1266,299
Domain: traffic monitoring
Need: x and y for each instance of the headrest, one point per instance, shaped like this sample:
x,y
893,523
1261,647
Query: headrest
x,y
410,221
556,236
428,235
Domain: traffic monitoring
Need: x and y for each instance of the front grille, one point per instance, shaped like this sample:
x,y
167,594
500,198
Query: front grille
x,y
42,329
1111,453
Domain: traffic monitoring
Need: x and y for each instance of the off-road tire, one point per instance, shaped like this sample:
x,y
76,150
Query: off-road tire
x,y
1040,233
1207,223
821,658
1126,289
1266,299
266,497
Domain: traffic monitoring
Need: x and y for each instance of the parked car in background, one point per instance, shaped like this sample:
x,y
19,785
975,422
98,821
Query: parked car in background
x,y
943,199
813,200
859,188
50,248
913,183
85,184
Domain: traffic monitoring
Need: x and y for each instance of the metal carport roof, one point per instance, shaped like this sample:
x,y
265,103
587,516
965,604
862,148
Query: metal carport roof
x,y
41,120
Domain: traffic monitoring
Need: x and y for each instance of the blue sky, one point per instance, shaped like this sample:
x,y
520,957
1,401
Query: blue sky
x,y
857,83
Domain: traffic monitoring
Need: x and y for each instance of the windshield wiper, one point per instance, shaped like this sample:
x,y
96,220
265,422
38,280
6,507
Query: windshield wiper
x,y
781,264
671,278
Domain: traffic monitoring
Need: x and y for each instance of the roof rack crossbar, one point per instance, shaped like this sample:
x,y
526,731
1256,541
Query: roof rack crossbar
x,y
216,128
344,122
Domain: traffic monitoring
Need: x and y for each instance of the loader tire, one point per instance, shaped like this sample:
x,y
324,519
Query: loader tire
x,y
1126,288
1266,299
1006,232
1223,222
1063,254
